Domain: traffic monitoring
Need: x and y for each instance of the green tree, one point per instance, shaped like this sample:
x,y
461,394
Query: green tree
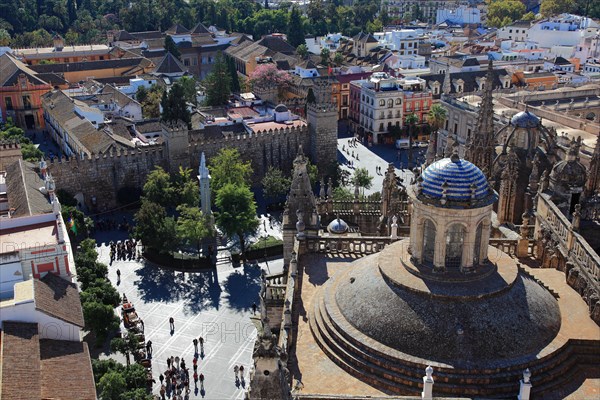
x,y
188,84
302,50
150,106
100,319
158,188
436,118
550,8
112,385
192,225
171,47
31,153
374,26
342,193
227,167
499,10
237,212
275,184
126,345
338,59
235,78
154,228
295,32
218,83
5,37
530,16
186,187
410,120
102,291
142,94
362,179
174,105
325,53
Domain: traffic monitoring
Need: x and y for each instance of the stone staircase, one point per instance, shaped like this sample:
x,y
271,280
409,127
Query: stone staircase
x,y
404,377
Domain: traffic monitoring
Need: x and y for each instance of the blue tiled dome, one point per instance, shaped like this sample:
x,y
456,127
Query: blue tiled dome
x,y
338,225
525,119
459,175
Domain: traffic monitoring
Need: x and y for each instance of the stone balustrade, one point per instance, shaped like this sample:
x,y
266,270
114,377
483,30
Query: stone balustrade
x,y
347,244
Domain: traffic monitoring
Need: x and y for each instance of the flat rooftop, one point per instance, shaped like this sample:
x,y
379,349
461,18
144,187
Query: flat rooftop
x,y
27,237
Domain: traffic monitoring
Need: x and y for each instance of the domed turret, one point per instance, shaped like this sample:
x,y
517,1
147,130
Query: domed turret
x,y
525,119
337,226
455,180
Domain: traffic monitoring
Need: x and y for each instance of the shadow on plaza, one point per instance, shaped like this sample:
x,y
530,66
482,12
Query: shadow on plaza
x,y
243,287
199,290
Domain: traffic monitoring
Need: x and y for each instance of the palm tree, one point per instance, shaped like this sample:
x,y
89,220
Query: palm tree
x,y
436,117
410,120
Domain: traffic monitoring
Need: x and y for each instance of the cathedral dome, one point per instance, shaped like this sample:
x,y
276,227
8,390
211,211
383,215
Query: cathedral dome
x,y
525,119
457,177
569,174
337,226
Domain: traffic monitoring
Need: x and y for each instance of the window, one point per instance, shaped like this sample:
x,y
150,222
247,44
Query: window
x,y
101,57
382,115
428,241
382,102
27,102
381,127
454,245
455,127
186,62
390,103
8,102
398,101
363,97
194,61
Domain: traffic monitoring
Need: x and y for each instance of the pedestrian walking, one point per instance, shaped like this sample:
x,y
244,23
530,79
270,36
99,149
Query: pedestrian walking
x,y
242,372
235,371
195,378
195,341
168,362
201,378
118,274
172,323
149,347
253,308
201,340
161,378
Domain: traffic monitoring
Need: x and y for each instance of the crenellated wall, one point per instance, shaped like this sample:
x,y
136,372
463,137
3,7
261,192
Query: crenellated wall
x,y
103,175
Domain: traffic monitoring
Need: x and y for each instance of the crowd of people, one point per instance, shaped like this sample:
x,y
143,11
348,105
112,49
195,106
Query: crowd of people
x,y
126,250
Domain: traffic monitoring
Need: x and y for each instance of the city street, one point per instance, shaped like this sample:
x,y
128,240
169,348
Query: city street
x,y
215,304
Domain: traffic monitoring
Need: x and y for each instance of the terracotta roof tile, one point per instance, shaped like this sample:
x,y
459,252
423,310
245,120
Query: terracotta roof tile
x,y
66,370
59,298
20,361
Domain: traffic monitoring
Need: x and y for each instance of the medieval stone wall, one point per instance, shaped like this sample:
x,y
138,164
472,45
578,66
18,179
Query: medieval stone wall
x,y
102,176
276,148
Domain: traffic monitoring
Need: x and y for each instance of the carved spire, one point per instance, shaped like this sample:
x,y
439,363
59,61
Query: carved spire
x,y
301,196
592,186
446,86
481,148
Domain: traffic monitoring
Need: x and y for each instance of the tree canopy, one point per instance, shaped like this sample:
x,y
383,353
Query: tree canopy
x,y
268,74
362,179
237,212
295,31
171,47
192,225
227,167
275,184
174,106
218,82
504,12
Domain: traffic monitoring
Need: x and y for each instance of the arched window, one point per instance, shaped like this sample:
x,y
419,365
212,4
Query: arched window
x,y
428,241
382,102
398,101
455,238
390,103
477,246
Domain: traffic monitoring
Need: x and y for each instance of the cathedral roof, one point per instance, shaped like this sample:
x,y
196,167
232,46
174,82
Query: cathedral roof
x,y
457,177
338,226
525,119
